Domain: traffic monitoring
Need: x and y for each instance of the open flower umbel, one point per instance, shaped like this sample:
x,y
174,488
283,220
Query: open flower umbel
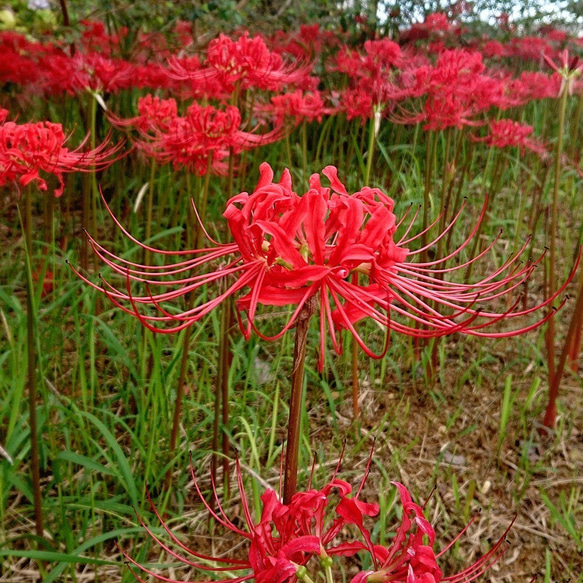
x,y
318,528
338,247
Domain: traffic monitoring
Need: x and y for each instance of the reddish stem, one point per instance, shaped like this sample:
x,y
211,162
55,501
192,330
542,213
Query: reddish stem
x,y
179,399
575,325
295,406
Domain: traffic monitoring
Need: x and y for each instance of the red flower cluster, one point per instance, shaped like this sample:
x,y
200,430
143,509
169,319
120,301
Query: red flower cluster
x,y
456,89
47,69
338,247
299,106
508,133
246,61
199,141
291,542
31,150
379,77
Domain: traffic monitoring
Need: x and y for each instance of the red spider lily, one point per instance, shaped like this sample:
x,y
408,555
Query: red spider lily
x,y
291,542
94,37
357,103
532,85
456,91
298,105
247,61
153,114
27,150
379,57
199,141
288,248
435,25
305,44
374,74
530,48
508,133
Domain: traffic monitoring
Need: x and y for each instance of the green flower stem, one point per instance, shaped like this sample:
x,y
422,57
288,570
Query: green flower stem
x,y
468,159
225,389
149,208
324,140
31,365
488,205
179,397
327,562
445,178
305,149
371,144
431,140
288,150
201,206
221,413
94,191
355,383
302,575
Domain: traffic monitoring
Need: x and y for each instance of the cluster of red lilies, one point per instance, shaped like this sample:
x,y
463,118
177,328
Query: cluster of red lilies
x,y
343,257
310,75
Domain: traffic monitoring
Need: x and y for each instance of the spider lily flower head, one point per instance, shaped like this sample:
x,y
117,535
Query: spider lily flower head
x,y
247,61
436,25
509,133
298,106
337,247
379,57
456,90
31,150
379,76
533,85
307,43
154,113
198,141
318,528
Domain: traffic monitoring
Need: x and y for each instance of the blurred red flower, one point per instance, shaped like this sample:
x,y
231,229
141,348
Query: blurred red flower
x,y
506,133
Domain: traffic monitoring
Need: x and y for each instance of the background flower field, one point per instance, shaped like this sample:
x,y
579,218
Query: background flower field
x,y
127,135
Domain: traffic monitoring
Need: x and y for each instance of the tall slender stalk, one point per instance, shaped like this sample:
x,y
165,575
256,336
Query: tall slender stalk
x,y
431,141
372,132
574,327
179,398
149,208
305,149
31,365
226,367
553,234
194,236
296,400
89,196
575,344
67,22
355,383
221,413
